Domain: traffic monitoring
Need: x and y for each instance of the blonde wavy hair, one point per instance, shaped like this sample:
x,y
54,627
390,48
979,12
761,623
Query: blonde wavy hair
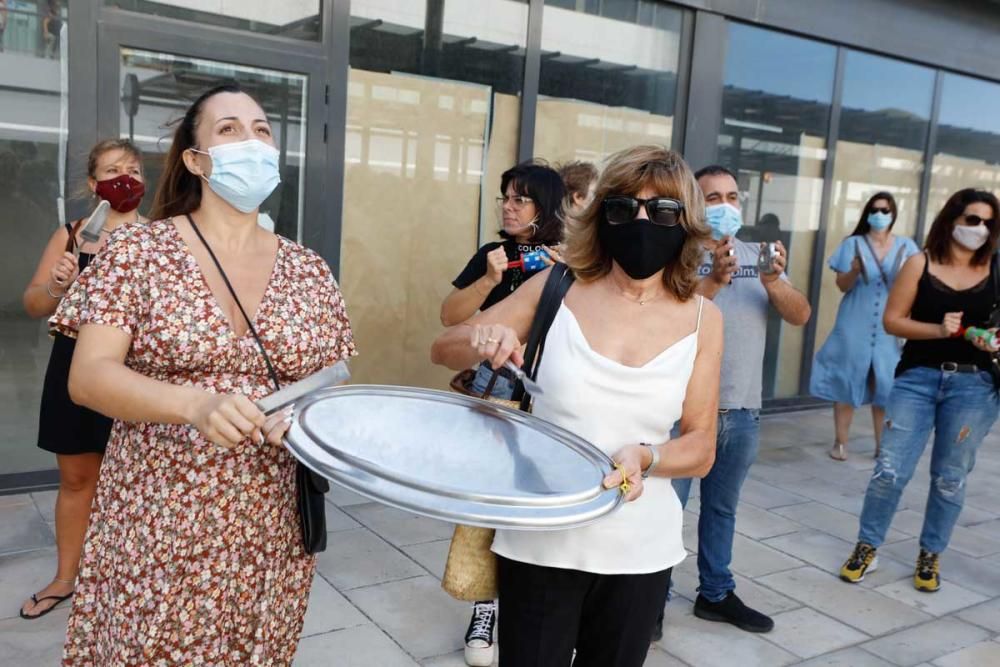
x,y
629,172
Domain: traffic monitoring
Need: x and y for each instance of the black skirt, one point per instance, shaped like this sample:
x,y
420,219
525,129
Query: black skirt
x,y
63,426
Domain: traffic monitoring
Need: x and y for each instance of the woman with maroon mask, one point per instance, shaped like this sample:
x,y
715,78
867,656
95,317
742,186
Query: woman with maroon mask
x,y
76,435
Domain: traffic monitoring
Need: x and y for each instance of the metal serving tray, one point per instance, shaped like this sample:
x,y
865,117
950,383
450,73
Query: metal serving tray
x,y
452,457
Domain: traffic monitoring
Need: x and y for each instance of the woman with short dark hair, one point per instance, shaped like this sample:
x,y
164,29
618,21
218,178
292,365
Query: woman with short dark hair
x,y
632,351
531,221
855,365
945,380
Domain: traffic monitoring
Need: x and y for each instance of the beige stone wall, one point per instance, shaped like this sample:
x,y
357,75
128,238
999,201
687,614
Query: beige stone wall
x,y
414,176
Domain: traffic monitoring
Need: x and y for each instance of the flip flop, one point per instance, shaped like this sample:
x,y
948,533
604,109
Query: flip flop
x,y
839,452
34,598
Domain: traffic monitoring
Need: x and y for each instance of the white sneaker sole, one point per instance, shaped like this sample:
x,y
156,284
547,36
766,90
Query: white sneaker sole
x,y
871,568
479,657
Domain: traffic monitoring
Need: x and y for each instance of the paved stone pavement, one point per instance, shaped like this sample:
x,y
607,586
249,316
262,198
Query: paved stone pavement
x,y
376,599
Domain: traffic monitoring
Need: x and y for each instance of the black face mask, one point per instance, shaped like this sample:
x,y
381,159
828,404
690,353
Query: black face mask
x,y
642,248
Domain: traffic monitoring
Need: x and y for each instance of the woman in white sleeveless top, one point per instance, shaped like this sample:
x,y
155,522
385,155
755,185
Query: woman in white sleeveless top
x,y
632,350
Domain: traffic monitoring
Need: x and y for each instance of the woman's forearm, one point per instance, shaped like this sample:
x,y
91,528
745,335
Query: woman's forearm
x,y
910,329
454,349
38,303
690,455
846,281
109,387
462,304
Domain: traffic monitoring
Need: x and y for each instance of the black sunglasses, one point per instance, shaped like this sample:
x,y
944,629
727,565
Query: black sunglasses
x,y
664,211
974,220
880,209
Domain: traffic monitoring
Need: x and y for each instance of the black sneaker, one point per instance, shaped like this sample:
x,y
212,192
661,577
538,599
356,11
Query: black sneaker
x,y
479,637
731,609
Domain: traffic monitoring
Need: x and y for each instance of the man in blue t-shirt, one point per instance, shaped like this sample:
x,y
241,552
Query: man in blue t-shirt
x,y
731,279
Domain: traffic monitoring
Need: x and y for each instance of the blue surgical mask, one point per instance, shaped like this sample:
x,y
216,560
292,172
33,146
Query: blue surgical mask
x,y
724,220
244,173
879,220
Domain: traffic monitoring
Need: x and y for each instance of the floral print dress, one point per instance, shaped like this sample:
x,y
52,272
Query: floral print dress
x,y
194,555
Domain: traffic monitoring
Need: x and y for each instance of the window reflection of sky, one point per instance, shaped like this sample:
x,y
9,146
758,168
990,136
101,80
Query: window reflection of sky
x,y
779,64
874,83
970,103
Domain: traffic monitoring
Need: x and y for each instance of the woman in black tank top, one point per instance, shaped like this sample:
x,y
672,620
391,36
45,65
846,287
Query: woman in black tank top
x,y
943,381
76,435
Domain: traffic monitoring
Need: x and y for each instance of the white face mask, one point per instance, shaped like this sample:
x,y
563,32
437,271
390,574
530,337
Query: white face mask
x,y
971,238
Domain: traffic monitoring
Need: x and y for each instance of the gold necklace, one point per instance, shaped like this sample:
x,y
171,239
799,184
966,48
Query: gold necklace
x,y
641,301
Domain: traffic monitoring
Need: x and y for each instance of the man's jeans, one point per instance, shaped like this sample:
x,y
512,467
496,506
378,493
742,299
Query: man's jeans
x,y
735,450
960,408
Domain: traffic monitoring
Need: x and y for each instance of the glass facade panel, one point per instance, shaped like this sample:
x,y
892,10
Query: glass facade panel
x,y
967,153
33,135
157,88
607,81
296,19
775,119
433,115
884,118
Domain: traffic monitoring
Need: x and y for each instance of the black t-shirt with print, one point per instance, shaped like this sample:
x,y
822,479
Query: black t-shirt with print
x,y
512,278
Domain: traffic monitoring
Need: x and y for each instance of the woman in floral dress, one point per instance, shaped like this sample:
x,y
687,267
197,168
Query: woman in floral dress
x,y
194,554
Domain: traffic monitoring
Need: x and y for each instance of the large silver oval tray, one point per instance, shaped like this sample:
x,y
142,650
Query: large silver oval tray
x,y
452,457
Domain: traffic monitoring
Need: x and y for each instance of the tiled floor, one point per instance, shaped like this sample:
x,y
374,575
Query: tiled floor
x,y
376,599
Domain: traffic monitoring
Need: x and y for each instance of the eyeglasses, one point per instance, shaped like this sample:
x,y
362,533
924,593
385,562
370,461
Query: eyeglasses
x,y
882,209
663,211
517,202
974,220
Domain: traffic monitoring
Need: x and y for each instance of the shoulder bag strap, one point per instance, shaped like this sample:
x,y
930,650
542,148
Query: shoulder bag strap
x,y
878,263
225,278
556,285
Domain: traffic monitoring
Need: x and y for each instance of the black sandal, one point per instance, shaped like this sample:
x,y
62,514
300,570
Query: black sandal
x,y
34,598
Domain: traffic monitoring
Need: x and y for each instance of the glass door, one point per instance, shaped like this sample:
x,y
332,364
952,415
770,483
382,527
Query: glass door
x,y
149,80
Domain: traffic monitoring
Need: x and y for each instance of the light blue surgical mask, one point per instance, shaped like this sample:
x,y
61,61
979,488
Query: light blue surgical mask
x,y
879,221
244,173
724,220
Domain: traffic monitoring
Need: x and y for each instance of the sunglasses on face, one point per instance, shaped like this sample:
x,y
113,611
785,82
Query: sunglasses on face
x,y
663,211
974,220
882,209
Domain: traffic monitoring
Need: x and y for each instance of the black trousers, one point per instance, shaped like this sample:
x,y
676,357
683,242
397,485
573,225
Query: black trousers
x,y
546,612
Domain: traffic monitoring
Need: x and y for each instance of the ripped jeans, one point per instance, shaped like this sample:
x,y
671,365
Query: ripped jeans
x,y
961,409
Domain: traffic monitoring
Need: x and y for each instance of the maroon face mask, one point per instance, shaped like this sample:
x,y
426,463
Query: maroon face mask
x,y
123,192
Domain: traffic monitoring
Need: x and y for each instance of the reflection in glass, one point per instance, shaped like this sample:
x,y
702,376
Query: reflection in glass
x,y
775,118
608,81
967,154
157,88
296,19
883,134
32,152
432,122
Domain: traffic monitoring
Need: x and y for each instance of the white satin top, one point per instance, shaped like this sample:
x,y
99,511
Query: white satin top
x,y
611,405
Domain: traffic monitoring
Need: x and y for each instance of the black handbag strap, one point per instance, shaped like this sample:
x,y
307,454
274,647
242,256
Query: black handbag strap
x,y
559,280
253,331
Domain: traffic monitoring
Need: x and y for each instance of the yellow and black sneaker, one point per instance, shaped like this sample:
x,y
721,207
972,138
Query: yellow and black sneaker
x,y
926,577
862,561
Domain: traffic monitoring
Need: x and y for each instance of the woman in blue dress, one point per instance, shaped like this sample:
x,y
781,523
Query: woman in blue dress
x,y
855,366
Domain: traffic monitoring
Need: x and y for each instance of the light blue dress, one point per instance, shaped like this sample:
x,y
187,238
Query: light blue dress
x,y
858,343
